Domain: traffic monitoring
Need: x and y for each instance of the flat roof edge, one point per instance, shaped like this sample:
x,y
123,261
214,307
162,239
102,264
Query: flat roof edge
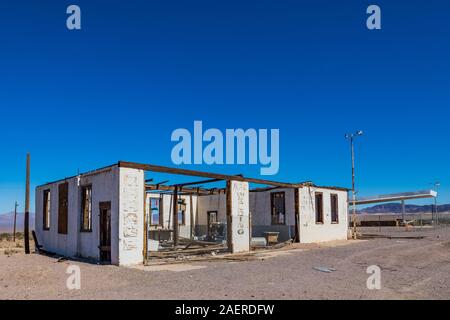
x,y
87,173
422,194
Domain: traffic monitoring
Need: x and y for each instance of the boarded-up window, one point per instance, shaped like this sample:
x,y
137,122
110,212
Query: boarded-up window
x,y
46,210
63,199
319,207
156,211
334,208
86,209
278,209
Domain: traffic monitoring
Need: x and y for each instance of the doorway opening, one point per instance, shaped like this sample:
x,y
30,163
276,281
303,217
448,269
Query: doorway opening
x,y
105,232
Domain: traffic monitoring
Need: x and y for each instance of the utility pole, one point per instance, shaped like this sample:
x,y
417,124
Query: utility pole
x,y
15,217
350,137
27,209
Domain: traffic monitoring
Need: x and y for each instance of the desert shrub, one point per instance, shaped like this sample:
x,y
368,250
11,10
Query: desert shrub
x,y
6,236
9,252
19,235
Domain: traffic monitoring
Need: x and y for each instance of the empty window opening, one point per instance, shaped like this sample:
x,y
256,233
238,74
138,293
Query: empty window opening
x,y
46,210
156,211
181,212
86,209
278,209
334,208
319,207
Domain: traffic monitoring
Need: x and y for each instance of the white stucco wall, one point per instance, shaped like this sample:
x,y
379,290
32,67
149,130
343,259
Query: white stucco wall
x,y
76,243
216,202
310,231
260,208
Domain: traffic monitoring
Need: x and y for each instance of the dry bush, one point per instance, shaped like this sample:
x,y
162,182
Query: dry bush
x,y
6,237
9,252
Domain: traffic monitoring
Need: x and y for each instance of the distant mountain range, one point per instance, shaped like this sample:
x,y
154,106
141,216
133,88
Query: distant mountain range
x,y
7,222
409,208
7,219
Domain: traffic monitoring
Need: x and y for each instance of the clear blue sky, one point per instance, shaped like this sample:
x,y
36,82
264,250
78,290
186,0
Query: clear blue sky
x,y
140,69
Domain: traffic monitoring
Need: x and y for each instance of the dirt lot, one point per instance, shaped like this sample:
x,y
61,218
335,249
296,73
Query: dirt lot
x,y
410,269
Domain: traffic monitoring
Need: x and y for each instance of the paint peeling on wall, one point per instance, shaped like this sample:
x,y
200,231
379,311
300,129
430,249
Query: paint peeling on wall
x,y
129,209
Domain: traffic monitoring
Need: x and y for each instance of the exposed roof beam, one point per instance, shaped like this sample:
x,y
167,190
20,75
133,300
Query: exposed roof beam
x,y
155,168
153,187
197,182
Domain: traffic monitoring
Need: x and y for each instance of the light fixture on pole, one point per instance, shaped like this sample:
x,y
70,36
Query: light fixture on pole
x,y
350,137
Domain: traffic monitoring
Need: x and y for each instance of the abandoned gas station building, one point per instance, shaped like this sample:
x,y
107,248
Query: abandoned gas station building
x,y
116,215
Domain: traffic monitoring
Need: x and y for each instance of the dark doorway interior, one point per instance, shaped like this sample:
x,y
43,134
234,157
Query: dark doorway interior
x,y
212,219
105,232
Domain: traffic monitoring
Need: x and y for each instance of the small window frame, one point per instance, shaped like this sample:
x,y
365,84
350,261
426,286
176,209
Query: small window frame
x,y
273,221
334,208
82,207
318,209
182,209
160,208
46,210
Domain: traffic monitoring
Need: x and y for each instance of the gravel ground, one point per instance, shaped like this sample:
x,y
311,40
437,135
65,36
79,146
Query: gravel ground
x,y
410,269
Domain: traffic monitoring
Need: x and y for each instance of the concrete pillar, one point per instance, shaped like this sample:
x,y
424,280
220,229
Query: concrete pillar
x,y
238,217
403,210
131,217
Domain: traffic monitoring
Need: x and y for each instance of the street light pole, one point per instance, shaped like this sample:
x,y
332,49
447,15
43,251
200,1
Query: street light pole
x,y
351,136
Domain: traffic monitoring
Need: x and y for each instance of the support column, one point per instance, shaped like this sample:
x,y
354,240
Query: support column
x,y
403,210
297,215
238,217
175,216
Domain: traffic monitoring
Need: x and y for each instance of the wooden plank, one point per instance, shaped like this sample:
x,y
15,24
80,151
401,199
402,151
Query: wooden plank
x,y
36,243
198,182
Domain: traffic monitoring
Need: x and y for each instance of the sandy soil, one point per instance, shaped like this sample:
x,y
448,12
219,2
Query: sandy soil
x,y
410,269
